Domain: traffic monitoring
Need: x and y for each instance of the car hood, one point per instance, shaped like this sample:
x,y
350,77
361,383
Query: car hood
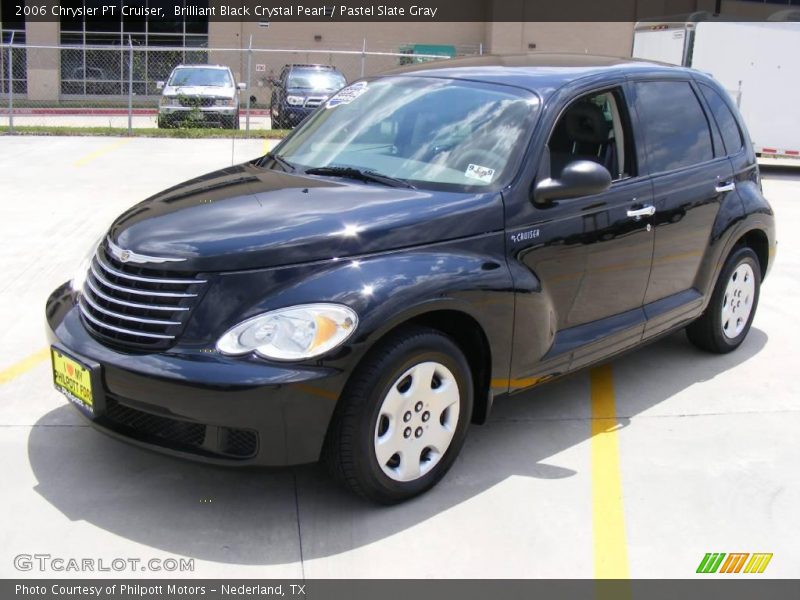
x,y
199,90
311,92
247,217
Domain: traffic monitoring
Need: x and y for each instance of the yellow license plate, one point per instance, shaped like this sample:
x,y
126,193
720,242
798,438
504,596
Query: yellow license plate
x,y
73,380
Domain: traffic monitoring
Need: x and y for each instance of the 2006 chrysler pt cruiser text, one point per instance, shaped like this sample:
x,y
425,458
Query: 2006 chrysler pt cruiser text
x,y
425,242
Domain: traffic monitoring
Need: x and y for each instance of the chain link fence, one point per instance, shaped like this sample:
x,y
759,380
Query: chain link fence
x,y
119,85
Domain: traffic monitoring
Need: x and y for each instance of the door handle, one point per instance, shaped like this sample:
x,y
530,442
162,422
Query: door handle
x,y
645,211
728,186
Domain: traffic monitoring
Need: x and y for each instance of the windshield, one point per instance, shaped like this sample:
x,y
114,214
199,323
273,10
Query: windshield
x,y
426,131
315,79
210,77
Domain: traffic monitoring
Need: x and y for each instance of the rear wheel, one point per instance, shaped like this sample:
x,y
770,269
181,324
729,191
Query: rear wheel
x,y
403,418
727,319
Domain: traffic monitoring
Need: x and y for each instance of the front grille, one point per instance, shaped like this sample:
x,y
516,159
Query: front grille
x,y
128,305
180,435
314,101
192,101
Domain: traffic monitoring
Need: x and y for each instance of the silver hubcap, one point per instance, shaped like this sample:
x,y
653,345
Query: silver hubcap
x,y
417,421
738,301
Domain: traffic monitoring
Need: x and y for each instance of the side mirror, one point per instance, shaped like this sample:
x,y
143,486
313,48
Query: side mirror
x,y
241,85
579,178
159,85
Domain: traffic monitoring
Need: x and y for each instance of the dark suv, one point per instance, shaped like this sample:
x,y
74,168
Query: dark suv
x,y
429,241
299,89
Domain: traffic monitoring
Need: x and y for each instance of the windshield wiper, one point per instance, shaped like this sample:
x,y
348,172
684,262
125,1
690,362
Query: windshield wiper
x,y
365,175
285,164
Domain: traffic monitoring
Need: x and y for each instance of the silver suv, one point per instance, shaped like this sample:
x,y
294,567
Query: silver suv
x,y
199,95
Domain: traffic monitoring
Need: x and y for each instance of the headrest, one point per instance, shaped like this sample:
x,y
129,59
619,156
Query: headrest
x,y
585,122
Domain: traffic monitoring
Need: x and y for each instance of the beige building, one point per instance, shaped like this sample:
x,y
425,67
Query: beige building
x,y
50,74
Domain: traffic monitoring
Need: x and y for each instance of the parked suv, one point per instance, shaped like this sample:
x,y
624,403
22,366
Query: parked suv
x,y
299,89
199,95
429,241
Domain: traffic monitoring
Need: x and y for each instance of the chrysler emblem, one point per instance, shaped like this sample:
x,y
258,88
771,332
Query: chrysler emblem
x,y
125,255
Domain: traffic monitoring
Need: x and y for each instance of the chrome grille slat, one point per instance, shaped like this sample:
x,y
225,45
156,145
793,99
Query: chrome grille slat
x,y
136,304
107,298
112,271
127,290
88,316
117,315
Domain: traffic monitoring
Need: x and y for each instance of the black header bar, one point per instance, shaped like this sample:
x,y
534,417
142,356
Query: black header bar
x,y
269,11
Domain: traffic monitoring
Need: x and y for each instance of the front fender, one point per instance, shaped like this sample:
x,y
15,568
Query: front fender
x,y
386,290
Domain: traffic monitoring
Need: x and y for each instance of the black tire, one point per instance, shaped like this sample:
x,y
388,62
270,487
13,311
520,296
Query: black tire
x,y
349,451
707,332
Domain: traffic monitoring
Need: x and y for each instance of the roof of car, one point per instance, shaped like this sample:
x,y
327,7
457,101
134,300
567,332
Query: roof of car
x,y
534,71
308,66
202,67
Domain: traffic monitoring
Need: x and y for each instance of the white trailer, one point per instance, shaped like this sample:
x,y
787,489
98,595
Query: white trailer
x,y
757,63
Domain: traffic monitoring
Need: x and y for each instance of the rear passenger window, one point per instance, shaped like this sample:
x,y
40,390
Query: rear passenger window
x,y
675,127
731,135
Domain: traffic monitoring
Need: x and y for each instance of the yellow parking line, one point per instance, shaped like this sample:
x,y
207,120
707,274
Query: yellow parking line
x,y
608,517
101,151
26,364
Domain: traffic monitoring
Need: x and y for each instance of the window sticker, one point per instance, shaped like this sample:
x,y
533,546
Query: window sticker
x,y
348,94
484,174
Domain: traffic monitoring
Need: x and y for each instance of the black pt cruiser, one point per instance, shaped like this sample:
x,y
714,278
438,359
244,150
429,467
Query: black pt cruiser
x,y
426,242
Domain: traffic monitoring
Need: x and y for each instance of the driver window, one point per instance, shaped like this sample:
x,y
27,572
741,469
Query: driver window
x,y
594,128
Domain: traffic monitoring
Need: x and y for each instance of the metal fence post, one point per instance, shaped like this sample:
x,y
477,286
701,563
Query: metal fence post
x,y
130,86
247,88
11,84
363,56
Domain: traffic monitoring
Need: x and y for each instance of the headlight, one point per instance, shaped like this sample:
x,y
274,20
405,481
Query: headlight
x,y
170,101
79,277
293,333
295,100
224,102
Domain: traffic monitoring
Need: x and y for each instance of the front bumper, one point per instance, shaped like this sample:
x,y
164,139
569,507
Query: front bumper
x,y
198,404
207,114
294,115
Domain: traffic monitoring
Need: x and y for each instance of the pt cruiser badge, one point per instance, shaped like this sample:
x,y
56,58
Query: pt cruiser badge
x,y
353,296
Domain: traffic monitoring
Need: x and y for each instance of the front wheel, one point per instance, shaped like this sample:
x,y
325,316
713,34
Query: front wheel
x,y
403,417
728,316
